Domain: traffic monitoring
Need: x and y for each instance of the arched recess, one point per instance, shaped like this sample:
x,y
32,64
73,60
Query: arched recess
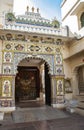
x,y
48,70
81,79
78,79
82,20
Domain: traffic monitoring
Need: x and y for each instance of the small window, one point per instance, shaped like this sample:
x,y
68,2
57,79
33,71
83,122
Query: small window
x,y
82,20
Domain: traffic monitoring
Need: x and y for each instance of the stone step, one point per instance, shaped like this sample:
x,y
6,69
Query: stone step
x,y
81,104
1,116
80,97
79,111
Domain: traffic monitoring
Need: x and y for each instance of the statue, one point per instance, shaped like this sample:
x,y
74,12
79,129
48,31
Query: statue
x,y
37,10
27,8
32,9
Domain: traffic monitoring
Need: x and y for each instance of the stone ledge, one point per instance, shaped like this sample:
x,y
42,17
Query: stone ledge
x,y
7,109
59,106
79,111
1,116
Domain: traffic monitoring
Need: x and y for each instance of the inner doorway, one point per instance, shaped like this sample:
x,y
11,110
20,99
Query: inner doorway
x,y
32,83
81,79
27,83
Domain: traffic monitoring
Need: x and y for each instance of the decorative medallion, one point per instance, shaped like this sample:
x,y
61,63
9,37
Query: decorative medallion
x,y
48,49
20,37
8,46
8,36
57,50
19,47
59,70
34,48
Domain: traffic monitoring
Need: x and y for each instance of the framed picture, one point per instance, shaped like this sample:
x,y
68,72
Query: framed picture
x,y
6,69
7,57
6,89
60,90
58,59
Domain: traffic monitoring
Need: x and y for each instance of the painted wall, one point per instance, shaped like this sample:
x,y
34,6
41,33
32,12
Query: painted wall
x,y
70,19
6,5
67,6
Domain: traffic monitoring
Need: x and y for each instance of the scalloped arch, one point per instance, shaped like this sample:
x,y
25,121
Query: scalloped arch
x,y
48,59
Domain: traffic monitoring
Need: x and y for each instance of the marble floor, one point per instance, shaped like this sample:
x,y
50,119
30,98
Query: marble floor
x,y
41,118
37,114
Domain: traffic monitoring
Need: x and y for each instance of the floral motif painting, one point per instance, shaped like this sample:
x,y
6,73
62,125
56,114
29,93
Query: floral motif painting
x,y
8,46
59,70
34,48
7,57
19,47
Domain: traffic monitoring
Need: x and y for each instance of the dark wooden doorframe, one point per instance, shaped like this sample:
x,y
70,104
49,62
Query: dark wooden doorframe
x,y
47,86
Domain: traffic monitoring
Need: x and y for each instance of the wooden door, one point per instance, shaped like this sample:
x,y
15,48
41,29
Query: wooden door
x,y
27,83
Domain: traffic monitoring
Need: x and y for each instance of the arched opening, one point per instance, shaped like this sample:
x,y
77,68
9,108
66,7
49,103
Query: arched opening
x,y
82,20
32,82
81,79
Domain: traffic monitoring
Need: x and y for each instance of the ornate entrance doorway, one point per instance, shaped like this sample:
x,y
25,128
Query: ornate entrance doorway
x,y
32,81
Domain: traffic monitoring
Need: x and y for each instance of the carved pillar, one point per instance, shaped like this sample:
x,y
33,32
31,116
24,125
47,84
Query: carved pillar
x,y
13,90
53,90
57,91
43,82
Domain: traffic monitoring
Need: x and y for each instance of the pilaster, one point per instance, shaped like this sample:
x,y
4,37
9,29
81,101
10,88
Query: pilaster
x,y
57,91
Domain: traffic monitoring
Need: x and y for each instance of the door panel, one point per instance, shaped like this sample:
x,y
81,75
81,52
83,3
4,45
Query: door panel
x,y
27,83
